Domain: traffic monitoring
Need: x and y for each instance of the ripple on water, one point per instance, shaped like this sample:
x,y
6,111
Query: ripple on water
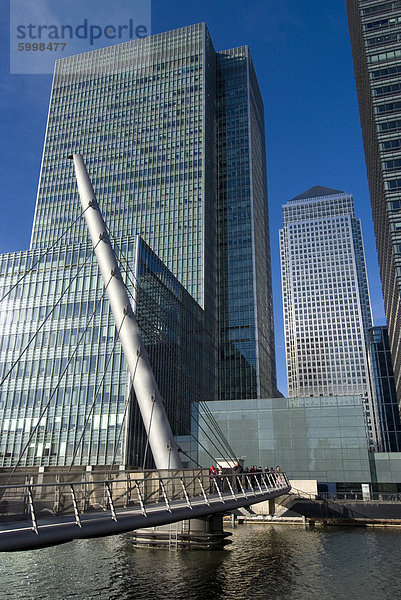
x,y
264,562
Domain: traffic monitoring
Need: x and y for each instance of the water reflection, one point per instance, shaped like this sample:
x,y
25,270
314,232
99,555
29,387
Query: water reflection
x,y
173,575
264,562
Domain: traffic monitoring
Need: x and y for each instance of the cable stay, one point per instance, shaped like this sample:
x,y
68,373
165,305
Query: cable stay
x,y
77,445
44,320
43,412
220,444
218,431
42,256
208,417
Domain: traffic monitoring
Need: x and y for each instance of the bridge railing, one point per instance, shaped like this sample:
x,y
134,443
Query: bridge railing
x,y
48,494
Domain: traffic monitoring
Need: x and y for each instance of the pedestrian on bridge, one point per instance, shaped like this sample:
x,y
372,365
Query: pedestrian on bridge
x,y
238,470
212,477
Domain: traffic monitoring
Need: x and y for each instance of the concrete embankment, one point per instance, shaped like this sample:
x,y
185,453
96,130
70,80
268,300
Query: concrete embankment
x,y
331,512
357,512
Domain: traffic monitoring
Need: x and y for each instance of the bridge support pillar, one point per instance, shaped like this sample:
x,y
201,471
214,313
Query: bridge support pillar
x,y
203,533
272,506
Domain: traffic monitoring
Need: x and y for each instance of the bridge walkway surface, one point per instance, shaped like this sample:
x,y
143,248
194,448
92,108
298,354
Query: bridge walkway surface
x,y
42,514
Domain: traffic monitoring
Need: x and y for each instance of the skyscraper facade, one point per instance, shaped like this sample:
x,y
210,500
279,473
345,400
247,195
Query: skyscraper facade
x,y
326,300
245,339
173,137
65,395
375,30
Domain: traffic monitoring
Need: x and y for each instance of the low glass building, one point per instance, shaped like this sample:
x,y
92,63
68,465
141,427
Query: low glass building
x,y
65,396
321,438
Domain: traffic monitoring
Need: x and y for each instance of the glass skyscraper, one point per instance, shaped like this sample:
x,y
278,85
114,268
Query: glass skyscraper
x,y
326,301
246,359
172,134
68,398
375,30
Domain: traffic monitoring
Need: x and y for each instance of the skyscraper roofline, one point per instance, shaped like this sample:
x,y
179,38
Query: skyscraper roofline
x,y
318,191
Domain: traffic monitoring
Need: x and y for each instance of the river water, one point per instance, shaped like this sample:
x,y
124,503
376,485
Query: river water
x,y
263,562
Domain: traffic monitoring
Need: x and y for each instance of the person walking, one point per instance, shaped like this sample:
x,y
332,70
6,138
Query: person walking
x,y
238,470
212,478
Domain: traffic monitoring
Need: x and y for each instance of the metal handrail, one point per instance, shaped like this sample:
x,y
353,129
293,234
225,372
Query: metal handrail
x,y
247,475
58,498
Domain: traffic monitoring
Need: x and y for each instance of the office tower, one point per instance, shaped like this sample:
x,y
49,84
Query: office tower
x,y
146,116
173,137
375,30
384,388
326,300
245,334
69,397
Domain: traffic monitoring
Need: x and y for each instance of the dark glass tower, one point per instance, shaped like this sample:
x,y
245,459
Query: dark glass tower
x,y
375,29
246,360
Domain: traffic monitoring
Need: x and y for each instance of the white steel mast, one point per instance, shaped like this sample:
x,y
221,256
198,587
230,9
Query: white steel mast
x,y
164,448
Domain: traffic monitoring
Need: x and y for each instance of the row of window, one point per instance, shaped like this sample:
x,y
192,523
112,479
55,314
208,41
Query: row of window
x,y
386,90
394,184
382,24
387,108
381,8
386,72
383,40
383,56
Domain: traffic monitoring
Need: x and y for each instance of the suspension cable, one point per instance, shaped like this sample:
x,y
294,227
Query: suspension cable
x,y
203,448
55,390
209,438
127,402
148,434
96,393
191,459
45,319
212,421
43,255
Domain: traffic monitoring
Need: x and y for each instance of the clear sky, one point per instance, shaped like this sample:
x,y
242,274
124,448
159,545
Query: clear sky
x,y
302,57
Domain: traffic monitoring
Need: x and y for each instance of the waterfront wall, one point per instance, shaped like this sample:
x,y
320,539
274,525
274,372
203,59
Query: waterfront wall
x,y
358,511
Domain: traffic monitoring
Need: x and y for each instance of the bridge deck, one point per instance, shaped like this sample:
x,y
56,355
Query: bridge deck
x,y
161,506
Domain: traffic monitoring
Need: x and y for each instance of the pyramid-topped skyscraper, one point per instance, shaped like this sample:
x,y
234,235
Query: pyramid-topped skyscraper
x,y
326,302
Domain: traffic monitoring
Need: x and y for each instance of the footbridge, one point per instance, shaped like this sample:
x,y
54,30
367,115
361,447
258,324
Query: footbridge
x,y
51,507
47,510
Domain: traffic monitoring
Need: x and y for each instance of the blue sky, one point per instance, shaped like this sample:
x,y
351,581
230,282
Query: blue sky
x,y
302,57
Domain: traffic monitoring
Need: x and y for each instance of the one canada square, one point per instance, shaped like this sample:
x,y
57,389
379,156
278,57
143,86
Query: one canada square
x,y
172,134
326,301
